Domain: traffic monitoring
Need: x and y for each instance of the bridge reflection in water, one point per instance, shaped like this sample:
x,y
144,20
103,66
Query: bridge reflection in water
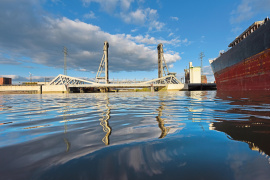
x,y
106,116
161,121
104,121
66,111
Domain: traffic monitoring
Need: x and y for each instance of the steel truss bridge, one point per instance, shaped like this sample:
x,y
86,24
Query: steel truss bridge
x,y
76,82
165,78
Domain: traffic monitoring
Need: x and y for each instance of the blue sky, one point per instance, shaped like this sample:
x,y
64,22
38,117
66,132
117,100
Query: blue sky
x,y
34,32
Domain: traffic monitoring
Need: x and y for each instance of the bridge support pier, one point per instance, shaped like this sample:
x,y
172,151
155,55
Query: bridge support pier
x,y
160,62
103,90
81,90
104,65
152,88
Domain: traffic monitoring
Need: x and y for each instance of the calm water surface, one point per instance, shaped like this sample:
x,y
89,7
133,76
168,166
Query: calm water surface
x,y
171,135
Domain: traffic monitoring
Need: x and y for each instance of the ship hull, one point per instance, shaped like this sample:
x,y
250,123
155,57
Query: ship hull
x,y
246,66
252,73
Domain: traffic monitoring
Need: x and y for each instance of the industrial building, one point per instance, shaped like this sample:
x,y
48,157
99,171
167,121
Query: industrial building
x,y
5,81
204,79
195,81
193,74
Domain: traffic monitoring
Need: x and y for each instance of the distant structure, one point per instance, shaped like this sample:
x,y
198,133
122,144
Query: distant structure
x,y
65,60
104,65
30,77
5,81
193,74
187,79
201,57
162,66
204,79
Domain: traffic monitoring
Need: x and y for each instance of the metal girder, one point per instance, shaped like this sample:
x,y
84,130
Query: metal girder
x,y
67,80
164,80
162,65
104,67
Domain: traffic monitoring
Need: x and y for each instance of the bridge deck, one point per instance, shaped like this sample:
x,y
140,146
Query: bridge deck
x,y
98,85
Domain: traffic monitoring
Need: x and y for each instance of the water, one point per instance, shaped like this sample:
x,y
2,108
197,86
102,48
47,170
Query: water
x,y
169,135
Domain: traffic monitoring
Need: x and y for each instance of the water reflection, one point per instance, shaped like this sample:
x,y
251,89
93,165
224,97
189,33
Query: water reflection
x,y
161,121
133,136
2,104
253,127
196,106
197,95
65,115
104,121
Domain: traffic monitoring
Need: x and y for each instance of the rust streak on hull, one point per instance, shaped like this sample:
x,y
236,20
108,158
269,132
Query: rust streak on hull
x,y
252,73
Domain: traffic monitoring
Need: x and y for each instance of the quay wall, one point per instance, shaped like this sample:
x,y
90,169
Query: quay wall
x,y
63,89
35,89
175,87
19,88
54,89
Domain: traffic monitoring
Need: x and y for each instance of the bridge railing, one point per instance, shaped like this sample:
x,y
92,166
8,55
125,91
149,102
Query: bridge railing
x,y
126,81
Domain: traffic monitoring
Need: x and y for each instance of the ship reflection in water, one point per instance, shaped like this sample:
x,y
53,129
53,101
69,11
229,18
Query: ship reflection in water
x,y
253,127
164,135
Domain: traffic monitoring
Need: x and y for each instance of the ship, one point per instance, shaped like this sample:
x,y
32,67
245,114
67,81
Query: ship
x,y
246,65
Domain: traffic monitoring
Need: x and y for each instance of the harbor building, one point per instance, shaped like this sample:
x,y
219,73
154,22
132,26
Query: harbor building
x,y
5,81
193,74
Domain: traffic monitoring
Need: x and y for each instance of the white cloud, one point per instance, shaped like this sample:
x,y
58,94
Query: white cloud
x,y
156,25
82,70
106,5
110,5
16,78
9,60
171,57
125,4
90,15
174,18
249,8
185,40
144,17
84,42
134,30
136,17
153,41
170,34
207,70
242,12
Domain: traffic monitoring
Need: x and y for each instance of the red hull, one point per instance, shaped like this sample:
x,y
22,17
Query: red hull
x,y
252,73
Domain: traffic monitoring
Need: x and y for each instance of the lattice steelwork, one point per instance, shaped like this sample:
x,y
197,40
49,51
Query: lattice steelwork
x,y
162,65
67,80
104,65
171,79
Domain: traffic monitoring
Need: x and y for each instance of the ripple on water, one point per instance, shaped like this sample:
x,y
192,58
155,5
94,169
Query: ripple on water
x,y
147,135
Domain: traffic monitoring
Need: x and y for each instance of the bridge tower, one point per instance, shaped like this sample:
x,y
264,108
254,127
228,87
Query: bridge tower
x,y
104,65
161,60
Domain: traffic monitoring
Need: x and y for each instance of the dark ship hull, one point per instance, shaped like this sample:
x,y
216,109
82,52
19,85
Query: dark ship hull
x,y
246,66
